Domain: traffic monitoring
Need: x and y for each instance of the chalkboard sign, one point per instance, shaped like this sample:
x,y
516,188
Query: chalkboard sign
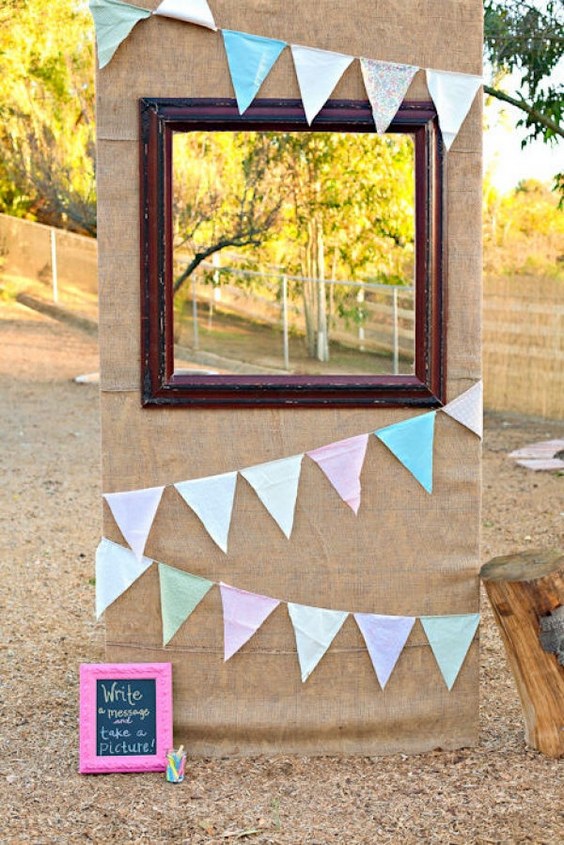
x,y
125,717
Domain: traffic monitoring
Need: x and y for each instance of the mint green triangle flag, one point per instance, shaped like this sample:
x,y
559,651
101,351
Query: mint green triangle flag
x,y
181,592
114,21
450,638
411,441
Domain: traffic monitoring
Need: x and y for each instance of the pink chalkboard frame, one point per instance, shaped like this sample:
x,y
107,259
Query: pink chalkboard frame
x,y
90,673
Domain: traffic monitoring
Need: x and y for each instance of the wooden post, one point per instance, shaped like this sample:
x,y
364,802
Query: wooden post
x,y
526,591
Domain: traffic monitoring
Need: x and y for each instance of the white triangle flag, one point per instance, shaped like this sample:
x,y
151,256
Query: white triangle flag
x,y
276,485
191,11
315,629
318,72
386,84
134,512
467,409
452,94
211,499
116,570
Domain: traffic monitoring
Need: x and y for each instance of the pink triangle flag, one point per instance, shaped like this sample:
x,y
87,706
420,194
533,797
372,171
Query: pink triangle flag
x,y
134,512
467,409
385,637
243,614
342,464
386,84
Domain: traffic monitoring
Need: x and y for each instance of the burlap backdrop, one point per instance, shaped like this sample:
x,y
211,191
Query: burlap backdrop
x,y
407,552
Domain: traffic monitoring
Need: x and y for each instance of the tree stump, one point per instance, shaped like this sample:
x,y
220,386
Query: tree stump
x,y
526,591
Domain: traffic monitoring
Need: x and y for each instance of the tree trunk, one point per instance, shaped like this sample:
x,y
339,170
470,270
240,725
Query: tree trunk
x,y
309,293
526,591
322,333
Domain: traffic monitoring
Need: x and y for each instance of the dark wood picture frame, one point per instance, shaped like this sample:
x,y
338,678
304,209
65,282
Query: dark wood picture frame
x,y
159,118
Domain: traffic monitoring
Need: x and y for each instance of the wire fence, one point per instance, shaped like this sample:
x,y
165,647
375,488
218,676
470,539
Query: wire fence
x,y
364,316
523,325
53,264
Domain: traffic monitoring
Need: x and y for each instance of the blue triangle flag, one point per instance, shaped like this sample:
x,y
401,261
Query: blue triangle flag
x,y
450,638
411,441
250,59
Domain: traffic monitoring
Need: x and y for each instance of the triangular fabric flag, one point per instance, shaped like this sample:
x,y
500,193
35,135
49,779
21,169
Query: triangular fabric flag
x,y
116,570
452,94
385,637
342,464
276,485
114,21
250,59
134,512
315,629
411,441
181,593
191,11
467,409
211,499
450,638
386,84
243,614
318,73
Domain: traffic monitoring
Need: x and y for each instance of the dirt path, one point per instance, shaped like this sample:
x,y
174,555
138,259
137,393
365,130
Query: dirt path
x,y
496,793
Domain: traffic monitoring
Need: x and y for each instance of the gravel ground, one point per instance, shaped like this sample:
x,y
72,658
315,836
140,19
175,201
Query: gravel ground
x,y
499,792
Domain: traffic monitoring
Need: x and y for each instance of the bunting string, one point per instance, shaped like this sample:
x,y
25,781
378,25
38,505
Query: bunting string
x,y
251,58
276,483
315,628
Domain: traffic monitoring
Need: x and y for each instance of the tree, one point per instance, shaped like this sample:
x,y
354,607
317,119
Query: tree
x,y
47,113
350,209
520,36
223,194
523,231
316,204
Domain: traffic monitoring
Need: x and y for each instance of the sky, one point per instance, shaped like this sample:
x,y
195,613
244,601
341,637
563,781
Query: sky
x,y
505,162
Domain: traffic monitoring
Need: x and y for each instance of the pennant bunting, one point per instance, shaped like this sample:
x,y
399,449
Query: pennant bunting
x,y
181,593
386,84
250,59
315,629
450,638
191,11
116,570
276,485
452,94
411,441
318,72
134,512
211,499
342,464
114,21
243,614
467,409
385,637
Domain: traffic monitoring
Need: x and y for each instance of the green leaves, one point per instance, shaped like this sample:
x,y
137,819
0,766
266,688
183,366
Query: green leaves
x,y
47,109
523,37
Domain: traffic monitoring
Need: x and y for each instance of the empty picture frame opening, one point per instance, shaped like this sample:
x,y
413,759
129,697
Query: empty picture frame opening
x,y
290,265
